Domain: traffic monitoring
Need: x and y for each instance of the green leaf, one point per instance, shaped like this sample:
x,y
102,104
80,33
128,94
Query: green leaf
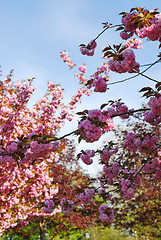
x,y
135,19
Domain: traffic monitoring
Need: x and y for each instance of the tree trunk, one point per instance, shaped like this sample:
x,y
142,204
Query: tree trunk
x,y
42,230
42,234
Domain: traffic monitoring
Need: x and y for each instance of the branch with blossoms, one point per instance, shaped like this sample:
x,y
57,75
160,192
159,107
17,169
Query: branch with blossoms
x,y
30,146
121,59
129,78
145,165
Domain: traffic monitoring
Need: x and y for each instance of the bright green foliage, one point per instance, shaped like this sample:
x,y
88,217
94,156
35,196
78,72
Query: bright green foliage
x,y
104,233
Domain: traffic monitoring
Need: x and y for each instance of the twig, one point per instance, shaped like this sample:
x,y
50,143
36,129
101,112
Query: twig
x,y
130,111
129,78
145,75
57,139
144,164
105,30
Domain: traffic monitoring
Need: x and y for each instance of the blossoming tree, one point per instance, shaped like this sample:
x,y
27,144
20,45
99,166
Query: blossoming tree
x,y
27,182
30,142
70,180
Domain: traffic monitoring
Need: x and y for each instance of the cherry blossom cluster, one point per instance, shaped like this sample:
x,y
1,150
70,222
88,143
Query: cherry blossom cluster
x,y
142,144
146,25
22,190
129,182
154,115
64,55
86,197
129,28
119,107
88,50
82,68
95,124
110,172
106,214
98,80
66,205
152,32
124,62
77,97
134,43
104,193
100,84
50,206
105,154
86,156
154,167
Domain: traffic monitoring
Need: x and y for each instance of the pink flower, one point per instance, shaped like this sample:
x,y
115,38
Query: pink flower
x,y
82,68
89,50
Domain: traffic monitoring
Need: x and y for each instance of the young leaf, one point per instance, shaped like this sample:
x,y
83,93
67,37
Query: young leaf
x,y
106,48
119,28
158,84
145,89
103,105
80,113
80,138
132,9
118,47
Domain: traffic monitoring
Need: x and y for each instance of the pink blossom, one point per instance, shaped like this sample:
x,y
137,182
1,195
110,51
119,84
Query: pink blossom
x,y
82,68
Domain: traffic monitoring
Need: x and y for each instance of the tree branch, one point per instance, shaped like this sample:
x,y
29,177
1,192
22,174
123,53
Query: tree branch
x,y
145,76
129,78
144,164
108,26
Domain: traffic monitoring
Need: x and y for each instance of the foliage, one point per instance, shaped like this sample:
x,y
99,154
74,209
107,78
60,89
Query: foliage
x,y
102,233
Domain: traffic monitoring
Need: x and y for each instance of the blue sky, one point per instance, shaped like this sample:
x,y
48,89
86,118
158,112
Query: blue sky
x,y
33,32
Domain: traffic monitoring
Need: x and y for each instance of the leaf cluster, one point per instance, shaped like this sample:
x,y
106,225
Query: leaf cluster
x,y
114,52
106,25
142,17
149,92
